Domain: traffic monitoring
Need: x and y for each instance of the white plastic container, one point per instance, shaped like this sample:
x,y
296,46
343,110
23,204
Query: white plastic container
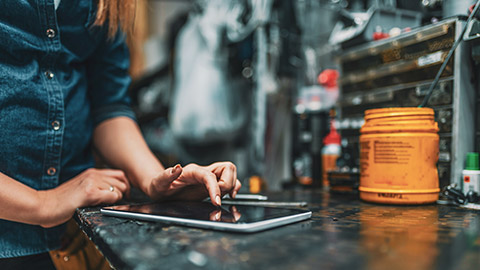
x,y
471,174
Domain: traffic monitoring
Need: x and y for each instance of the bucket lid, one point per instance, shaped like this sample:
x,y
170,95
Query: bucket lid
x,y
394,112
399,119
472,162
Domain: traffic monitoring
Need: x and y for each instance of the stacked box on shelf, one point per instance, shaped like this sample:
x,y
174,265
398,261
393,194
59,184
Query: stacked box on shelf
x,y
397,72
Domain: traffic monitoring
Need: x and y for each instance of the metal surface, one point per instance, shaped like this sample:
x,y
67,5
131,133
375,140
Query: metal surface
x,y
343,233
477,123
374,20
463,122
456,7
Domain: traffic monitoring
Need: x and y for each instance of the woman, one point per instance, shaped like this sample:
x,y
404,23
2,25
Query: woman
x,y
63,90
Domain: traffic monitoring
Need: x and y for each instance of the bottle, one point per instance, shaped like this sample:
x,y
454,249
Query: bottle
x,y
330,152
257,184
471,174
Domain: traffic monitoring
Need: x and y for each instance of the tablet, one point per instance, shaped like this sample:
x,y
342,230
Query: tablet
x,y
234,218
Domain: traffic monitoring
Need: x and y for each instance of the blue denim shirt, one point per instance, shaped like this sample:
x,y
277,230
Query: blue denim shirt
x,y
59,77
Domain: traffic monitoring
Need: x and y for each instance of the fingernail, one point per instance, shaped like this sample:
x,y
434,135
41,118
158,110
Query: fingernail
x,y
175,168
217,200
217,216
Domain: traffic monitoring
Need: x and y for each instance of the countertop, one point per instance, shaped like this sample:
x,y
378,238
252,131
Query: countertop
x,y
343,233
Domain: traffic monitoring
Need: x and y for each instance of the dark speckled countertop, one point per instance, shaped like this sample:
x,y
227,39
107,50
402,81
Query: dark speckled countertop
x,y
343,233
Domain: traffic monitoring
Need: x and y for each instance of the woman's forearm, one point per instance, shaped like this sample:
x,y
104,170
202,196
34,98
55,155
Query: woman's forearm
x,y
53,207
19,202
120,142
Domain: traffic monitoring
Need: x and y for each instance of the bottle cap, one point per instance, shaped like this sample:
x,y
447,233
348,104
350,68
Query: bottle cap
x,y
328,78
472,162
333,137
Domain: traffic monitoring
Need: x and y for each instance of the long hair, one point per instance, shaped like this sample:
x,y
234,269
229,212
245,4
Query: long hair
x,y
120,14
129,16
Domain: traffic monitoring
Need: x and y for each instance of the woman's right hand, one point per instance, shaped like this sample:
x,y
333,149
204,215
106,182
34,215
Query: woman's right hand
x,y
91,187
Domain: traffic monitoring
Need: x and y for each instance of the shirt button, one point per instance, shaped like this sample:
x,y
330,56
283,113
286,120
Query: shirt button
x,y
56,125
50,33
51,171
49,75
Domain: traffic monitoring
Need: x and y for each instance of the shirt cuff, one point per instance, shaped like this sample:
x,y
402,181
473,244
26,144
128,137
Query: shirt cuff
x,y
112,111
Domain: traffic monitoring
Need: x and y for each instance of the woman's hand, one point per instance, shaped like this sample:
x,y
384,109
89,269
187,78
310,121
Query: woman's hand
x,y
233,216
119,141
91,187
194,182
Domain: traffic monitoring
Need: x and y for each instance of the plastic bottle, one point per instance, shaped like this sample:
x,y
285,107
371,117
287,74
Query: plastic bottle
x,y
471,174
330,152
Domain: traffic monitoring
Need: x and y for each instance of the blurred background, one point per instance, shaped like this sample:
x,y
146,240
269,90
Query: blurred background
x,y
279,87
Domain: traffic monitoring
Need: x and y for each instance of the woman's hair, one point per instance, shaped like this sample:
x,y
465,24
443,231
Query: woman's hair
x,y
120,14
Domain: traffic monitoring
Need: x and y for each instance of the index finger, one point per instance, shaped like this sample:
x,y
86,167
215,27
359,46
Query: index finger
x,y
235,190
210,181
227,173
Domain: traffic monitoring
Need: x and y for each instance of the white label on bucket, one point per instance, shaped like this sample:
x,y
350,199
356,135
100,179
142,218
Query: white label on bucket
x,y
471,181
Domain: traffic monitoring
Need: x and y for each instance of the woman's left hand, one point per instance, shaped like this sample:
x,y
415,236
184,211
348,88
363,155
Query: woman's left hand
x,y
194,182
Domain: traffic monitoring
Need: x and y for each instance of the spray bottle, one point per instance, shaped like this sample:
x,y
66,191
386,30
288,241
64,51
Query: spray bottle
x,y
330,152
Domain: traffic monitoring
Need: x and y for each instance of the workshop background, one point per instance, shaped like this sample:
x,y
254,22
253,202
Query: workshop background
x,y
280,88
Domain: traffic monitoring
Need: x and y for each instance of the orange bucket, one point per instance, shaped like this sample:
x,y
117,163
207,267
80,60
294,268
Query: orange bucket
x,y
398,156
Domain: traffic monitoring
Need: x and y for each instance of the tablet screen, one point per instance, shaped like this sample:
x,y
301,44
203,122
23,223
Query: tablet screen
x,y
205,211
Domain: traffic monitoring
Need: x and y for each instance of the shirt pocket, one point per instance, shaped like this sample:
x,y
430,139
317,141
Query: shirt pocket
x,y
79,35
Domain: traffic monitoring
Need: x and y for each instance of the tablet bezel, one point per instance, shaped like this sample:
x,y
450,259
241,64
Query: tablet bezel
x,y
222,226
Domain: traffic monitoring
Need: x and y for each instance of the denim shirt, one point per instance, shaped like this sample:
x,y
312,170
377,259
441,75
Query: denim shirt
x,y
59,77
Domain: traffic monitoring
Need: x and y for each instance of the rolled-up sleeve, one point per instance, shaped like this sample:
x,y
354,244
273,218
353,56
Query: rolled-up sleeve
x,y
108,80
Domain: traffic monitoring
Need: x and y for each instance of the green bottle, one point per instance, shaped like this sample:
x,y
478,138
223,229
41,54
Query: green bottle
x,y
471,174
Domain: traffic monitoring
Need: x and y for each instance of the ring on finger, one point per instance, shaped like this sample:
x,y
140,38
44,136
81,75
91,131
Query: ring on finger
x,y
112,189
